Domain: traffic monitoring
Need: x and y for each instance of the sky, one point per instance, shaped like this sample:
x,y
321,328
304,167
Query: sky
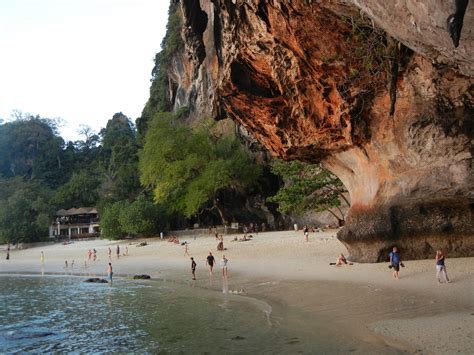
x,y
78,60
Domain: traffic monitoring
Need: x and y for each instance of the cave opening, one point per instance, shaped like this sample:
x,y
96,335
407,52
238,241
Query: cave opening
x,y
242,75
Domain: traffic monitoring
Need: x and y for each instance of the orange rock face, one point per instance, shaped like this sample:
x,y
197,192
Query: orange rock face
x,y
309,81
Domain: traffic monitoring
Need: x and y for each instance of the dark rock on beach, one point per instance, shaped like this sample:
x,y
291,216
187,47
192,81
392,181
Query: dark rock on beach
x,y
141,277
96,280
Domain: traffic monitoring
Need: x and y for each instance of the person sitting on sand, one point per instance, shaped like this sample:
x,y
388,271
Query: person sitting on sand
x,y
440,267
341,260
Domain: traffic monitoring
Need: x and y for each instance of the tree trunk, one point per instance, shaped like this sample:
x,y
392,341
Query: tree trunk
x,y
221,214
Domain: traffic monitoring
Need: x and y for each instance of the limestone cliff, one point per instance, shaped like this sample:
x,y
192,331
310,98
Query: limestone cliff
x,y
374,89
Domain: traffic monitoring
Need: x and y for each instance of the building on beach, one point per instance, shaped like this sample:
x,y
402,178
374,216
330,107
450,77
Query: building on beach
x,y
76,223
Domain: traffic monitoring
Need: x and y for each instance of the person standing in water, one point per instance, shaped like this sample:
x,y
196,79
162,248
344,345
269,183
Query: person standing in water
x,y
193,268
109,272
223,263
440,267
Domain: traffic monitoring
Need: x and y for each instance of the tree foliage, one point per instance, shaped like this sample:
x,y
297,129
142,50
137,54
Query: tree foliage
x,y
24,210
307,187
31,148
187,168
122,218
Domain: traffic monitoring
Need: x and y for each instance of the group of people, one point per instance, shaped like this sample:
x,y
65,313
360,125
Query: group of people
x,y
210,261
396,263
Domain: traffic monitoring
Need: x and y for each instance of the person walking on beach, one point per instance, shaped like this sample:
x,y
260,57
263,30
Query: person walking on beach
x,y
193,268
109,272
223,263
65,264
42,258
306,233
8,251
94,254
110,254
186,249
118,251
210,262
440,267
395,262
89,254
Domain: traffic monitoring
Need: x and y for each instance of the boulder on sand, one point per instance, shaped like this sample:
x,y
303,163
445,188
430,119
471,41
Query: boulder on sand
x,y
96,280
141,277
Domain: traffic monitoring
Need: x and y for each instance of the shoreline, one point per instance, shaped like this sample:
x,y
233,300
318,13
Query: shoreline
x,y
280,268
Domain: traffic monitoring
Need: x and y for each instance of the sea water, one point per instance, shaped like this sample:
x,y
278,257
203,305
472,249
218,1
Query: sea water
x,y
44,314
64,314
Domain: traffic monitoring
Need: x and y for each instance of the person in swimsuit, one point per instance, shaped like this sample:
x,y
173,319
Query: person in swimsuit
x,y
110,254
223,263
118,251
110,272
395,262
210,261
193,268
440,267
186,249
306,233
42,258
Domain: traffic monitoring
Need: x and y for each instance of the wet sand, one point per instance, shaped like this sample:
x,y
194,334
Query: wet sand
x,y
412,314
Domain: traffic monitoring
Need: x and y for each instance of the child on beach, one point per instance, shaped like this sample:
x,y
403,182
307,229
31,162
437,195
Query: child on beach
x,y
193,268
395,262
440,267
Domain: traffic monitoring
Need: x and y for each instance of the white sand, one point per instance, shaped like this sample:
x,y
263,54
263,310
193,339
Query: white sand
x,y
414,311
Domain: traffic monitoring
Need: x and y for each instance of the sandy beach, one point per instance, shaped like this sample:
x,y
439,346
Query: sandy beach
x,y
414,314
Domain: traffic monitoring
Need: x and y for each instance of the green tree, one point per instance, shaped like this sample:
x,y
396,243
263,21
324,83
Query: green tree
x,y
187,168
140,217
110,220
80,191
30,147
308,187
24,210
120,159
